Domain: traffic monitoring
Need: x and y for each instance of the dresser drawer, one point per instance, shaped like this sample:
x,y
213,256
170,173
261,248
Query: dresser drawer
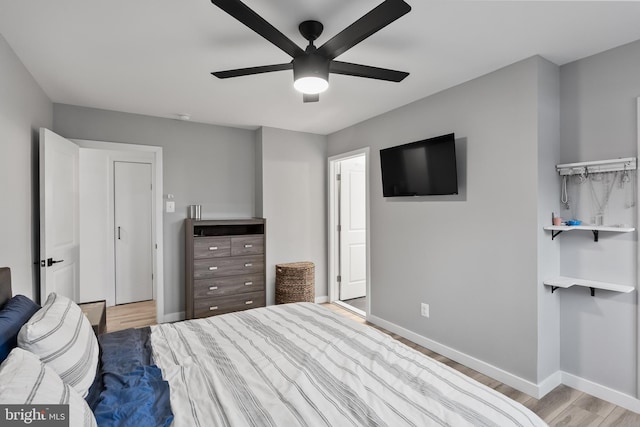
x,y
209,247
222,286
231,266
218,305
247,245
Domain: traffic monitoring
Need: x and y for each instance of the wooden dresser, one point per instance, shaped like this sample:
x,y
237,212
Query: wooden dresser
x,y
225,266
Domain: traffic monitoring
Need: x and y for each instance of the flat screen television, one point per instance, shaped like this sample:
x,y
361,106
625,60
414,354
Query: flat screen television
x,y
422,168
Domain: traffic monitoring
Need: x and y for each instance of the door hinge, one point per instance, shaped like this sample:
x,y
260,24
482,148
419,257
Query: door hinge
x,y
338,177
339,278
339,227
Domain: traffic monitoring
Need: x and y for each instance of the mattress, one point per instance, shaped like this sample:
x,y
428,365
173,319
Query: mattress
x,y
303,365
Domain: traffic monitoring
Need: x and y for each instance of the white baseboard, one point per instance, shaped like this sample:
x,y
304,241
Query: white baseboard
x,y
549,383
536,390
602,392
321,300
174,317
505,377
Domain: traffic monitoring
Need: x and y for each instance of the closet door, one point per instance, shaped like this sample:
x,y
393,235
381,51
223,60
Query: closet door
x,y
133,236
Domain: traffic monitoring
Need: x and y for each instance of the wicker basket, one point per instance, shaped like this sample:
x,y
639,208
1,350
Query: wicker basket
x,y
295,282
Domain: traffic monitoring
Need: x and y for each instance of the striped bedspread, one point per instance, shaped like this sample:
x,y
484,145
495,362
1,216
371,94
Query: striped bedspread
x,y
302,365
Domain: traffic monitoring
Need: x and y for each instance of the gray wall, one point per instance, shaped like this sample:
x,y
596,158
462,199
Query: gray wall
x,y
473,261
599,121
213,166
293,180
24,108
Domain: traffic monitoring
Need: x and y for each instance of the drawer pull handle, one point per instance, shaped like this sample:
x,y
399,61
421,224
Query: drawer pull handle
x,y
248,302
213,268
248,283
215,307
213,248
248,246
213,288
248,264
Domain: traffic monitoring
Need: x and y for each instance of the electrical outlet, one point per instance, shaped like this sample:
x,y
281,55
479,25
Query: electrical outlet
x,y
424,309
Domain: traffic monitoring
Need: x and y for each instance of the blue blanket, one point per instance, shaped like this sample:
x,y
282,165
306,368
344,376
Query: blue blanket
x,y
129,389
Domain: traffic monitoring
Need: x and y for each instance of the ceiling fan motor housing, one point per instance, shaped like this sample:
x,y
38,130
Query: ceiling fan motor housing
x,y
310,65
310,30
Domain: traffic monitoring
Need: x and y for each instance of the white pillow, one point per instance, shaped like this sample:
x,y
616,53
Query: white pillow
x,y
62,337
24,380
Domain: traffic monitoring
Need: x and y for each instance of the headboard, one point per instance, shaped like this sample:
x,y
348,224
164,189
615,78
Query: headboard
x,y
5,284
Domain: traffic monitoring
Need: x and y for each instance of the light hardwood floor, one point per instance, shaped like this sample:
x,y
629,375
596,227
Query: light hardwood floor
x,y
134,315
564,406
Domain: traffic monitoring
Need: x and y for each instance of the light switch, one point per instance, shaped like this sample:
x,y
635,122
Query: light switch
x,y
171,206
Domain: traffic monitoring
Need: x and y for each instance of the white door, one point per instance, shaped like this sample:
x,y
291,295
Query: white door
x,y
59,216
133,236
353,264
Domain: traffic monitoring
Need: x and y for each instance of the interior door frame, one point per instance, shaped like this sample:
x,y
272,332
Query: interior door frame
x,y
150,154
332,215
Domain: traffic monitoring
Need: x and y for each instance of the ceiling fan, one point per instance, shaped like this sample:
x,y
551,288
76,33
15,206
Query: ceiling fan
x,y
311,66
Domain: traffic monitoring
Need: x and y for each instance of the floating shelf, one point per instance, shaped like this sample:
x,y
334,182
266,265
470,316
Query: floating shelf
x,y
567,282
557,229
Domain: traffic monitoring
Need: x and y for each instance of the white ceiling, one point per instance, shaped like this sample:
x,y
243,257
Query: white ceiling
x,y
154,57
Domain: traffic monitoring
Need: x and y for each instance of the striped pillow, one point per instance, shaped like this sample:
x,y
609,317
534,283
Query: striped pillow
x,y
61,336
24,380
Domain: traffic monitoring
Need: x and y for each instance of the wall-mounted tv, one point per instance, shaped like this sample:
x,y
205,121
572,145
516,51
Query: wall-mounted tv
x,y
422,168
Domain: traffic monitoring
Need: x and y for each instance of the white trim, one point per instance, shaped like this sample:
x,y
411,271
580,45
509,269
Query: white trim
x,y
505,377
601,392
549,383
350,308
535,390
322,299
173,317
332,229
332,264
154,153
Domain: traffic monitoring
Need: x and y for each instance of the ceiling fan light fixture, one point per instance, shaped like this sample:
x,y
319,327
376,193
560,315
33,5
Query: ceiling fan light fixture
x,y
311,85
310,74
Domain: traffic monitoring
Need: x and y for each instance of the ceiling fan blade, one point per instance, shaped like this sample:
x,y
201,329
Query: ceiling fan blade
x,y
248,17
378,18
252,70
358,70
310,98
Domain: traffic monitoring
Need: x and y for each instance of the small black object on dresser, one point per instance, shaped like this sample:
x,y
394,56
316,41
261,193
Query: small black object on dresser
x,y
224,266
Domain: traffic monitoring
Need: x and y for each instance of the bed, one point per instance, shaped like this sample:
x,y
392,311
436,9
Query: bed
x,y
289,365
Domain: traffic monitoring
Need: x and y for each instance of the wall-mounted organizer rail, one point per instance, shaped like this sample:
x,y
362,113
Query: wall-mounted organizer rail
x,y
557,229
597,166
567,282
